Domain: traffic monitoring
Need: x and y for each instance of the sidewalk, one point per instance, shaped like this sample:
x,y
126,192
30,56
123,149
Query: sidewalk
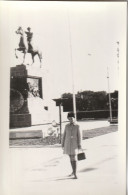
x,y
24,136
37,171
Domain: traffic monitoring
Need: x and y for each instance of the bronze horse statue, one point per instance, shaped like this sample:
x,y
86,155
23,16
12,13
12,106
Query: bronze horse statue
x,y
22,48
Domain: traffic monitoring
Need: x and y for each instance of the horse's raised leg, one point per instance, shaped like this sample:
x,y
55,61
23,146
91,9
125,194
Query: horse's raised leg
x,y
16,54
24,55
32,58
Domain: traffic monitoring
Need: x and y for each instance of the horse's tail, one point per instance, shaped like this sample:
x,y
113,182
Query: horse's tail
x,y
41,56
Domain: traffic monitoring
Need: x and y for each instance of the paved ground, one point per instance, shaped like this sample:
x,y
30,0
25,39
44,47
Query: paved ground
x,y
44,170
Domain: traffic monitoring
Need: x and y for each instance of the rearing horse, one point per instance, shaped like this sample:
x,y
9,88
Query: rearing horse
x,y
23,48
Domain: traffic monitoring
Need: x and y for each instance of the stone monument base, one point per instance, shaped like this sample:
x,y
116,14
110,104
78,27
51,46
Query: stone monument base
x,y
20,120
27,103
24,134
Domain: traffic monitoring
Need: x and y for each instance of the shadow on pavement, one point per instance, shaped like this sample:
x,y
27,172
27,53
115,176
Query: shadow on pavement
x,y
87,169
53,179
60,179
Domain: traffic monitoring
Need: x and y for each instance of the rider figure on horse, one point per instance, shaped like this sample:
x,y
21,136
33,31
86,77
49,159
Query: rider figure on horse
x,y
22,48
29,39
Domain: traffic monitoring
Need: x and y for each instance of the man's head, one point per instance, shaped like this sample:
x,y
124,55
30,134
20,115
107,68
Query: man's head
x,y
71,117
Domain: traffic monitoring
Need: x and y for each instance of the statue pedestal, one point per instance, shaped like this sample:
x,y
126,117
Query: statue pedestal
x,y
25,95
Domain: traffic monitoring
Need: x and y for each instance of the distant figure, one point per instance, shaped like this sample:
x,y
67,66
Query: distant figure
x,y
71,141
29,39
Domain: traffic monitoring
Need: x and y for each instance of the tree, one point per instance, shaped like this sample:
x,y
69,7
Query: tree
x,y
90,100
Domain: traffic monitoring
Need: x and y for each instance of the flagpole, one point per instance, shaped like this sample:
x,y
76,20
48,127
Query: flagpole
x,y
73,83
110,107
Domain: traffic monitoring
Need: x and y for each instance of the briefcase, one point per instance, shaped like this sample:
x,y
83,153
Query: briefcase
x,y
81,156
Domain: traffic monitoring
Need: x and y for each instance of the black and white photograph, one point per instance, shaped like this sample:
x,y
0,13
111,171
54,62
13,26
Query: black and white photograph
x,y
63,97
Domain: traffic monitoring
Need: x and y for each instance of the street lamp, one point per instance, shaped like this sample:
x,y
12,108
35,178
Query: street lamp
x,y
59,102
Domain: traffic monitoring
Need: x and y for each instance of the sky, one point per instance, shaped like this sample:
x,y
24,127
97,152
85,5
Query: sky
x,y
78,41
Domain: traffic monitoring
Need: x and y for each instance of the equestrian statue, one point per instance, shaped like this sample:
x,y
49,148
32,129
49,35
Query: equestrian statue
x,y
22,47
